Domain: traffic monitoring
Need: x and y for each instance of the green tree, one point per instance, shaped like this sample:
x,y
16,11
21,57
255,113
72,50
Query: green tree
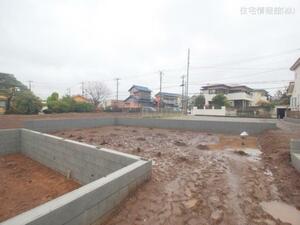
x,y
66,104
9,86
26,102
199,101
219,101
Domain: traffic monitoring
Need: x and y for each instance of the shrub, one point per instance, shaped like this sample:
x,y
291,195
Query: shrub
x,y
26,102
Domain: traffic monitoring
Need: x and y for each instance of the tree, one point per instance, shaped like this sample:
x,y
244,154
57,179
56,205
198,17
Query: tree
x,y
199,101
66,104
9,86
268,106
26,102
219,101
97,92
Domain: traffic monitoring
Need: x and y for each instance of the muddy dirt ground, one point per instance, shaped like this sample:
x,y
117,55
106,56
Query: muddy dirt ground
x,y
25,184
201,178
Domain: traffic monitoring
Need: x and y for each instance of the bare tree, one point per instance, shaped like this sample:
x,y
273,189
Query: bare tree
x,y
97,92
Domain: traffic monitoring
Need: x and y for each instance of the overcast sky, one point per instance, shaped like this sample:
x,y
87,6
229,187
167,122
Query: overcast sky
x,y
57,44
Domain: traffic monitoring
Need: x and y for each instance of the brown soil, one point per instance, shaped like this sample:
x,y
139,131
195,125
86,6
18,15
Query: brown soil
x,y
275,145
25,184
194,185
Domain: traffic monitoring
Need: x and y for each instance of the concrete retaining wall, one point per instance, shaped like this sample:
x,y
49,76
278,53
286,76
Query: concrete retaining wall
x,y
63,124
292,120
109,176
295,153
232,127
9,141
85,163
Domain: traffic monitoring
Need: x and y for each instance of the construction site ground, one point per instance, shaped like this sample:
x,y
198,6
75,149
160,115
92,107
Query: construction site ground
x,y
25,184
202,178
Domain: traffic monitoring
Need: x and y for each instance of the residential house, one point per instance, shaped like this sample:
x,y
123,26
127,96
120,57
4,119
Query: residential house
x,y
240,97
258,96
139,97
113,104
3,102
80,98
167,100
295,98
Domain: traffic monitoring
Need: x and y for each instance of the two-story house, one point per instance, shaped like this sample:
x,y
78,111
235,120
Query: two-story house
x,y
167,100
295,98
239,97
139,97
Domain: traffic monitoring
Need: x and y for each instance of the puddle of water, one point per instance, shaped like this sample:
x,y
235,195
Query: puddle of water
x,y
282,211
253,153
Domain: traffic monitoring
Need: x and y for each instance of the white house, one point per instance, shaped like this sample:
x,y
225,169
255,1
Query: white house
x,y
295,98
239,97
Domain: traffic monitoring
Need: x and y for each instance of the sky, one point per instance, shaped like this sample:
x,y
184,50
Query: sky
x,y
58,44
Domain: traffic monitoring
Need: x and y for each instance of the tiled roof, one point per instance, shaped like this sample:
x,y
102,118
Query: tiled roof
x,y
140,88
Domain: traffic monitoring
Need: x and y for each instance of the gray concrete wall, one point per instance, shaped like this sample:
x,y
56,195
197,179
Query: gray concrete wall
x,y
109,176
84,162
295,153
64,124
9,141
219,126
292,120
89,204
230,127
295,146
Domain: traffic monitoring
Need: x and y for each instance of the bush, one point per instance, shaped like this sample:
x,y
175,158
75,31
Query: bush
x,y
219,101
83,107
66,104
26,102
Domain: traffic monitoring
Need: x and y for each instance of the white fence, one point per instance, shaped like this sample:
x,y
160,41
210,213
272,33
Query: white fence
x,y
209,112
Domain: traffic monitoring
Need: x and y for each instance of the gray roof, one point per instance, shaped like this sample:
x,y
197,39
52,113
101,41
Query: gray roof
x,y
140,88
167,94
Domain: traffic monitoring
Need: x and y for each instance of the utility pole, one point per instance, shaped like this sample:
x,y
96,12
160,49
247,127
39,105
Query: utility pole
x,y
182,93
29,84
160,87
117,95
69,91
82,88
187,82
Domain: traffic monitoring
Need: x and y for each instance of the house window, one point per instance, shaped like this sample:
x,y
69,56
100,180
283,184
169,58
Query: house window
x,y
2,104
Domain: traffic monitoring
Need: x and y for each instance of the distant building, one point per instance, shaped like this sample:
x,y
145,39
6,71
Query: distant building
x,y
114,104
139,97
79,98
167,100
295,98
240,97
258,96
3,102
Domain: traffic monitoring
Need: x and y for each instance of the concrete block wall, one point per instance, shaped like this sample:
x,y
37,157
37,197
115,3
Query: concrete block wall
x,y
9,141
230,127
63,124
295,153
91,203
115,175
85,163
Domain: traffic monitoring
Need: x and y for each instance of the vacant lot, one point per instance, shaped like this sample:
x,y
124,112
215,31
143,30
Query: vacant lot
x,y
201,178
25,184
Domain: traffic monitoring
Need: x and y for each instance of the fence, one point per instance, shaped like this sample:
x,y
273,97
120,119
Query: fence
x,y
293,114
